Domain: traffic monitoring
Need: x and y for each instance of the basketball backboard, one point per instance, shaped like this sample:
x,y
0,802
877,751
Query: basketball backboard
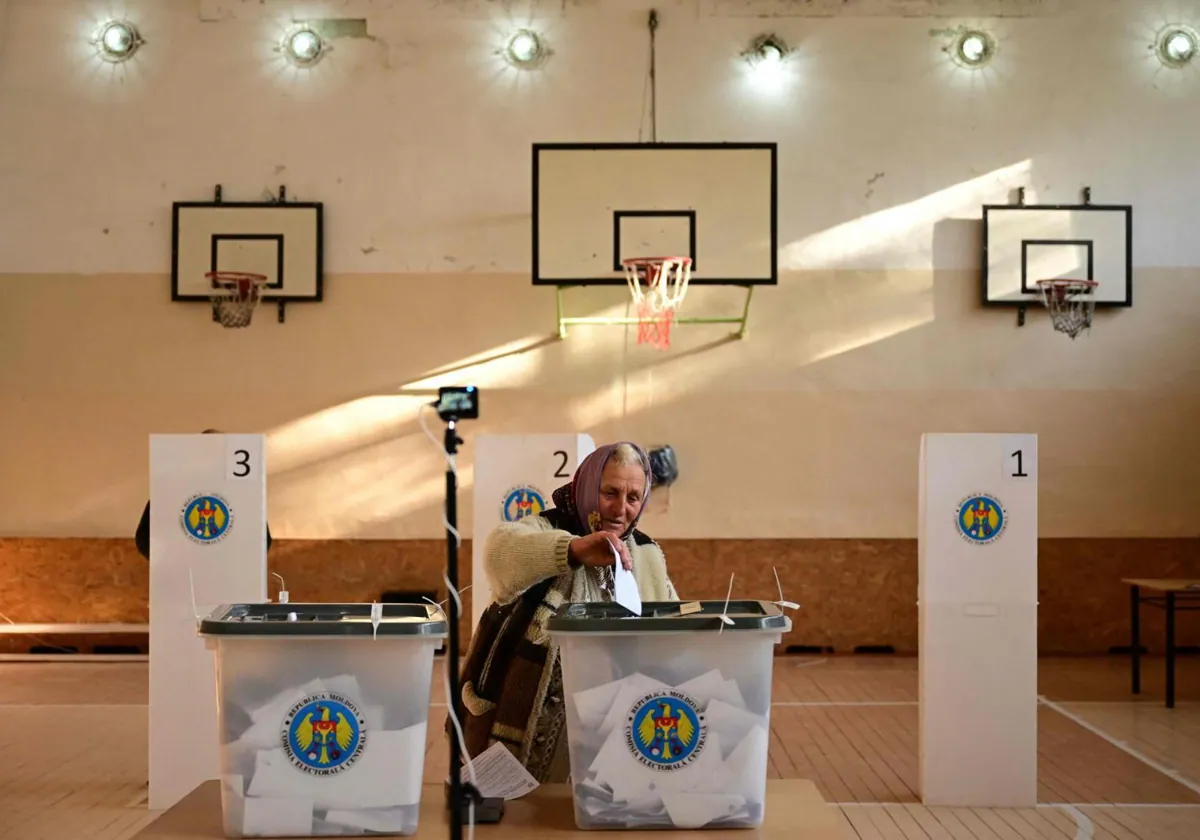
x,y
1023,244
282,240
595,204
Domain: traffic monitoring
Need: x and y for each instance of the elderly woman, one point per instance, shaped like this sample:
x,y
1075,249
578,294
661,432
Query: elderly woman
x,y
512,680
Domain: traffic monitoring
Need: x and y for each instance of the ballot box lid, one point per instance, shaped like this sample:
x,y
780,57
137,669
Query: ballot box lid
x,y
425,620
669,617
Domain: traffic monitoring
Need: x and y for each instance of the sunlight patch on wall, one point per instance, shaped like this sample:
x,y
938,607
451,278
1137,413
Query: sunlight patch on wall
x,y
878,315
392,489
602,406
512,365
901,236
331,431
361,467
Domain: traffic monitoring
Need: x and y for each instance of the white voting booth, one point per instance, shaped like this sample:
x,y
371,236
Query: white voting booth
x,y
208,512
514,477
977,560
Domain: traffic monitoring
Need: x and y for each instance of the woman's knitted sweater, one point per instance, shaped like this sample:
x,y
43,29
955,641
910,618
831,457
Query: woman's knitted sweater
x,y
519,554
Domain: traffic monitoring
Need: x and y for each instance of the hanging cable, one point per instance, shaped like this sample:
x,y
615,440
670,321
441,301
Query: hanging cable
x,y
653,79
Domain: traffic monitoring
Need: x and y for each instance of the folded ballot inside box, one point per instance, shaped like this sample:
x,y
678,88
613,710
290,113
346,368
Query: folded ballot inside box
x,y
323,711
668,713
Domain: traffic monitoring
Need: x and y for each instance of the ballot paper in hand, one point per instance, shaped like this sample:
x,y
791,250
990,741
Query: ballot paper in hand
x,y
625,588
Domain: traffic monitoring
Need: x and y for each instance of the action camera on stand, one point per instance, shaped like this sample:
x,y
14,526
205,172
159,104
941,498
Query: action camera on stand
x,y
460,402
466,803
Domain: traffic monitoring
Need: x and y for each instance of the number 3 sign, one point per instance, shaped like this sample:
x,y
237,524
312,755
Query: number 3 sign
x,y
243,456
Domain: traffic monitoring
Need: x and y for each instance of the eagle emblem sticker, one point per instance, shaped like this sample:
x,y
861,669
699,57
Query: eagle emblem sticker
x,y
206,518
981,519
324,734
665,730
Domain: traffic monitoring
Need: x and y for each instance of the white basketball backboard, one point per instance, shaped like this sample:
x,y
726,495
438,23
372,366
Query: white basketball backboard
x,y
282,240
597,204
1023,244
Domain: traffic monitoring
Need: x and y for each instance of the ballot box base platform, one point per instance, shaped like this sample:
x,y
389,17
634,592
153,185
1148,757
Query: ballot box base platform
x,y
795,811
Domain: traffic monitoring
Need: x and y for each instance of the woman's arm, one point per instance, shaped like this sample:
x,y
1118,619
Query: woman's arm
x,y
519,554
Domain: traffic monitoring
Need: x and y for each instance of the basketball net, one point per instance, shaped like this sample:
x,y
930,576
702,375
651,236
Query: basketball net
x,y
658,286
1071,303
234,305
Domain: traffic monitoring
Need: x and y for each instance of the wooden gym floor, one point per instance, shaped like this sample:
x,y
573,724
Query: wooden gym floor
x,y
74,743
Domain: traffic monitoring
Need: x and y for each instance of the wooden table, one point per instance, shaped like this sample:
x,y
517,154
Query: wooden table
x,y
795,811
1178,595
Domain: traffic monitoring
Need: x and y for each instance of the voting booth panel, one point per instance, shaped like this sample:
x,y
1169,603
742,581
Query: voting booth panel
x,y
208,509
514,477
977,608
324,710
668,714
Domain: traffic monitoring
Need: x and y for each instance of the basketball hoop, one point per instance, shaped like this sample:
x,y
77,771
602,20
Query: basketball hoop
x,y
242,290
1071,303
658,286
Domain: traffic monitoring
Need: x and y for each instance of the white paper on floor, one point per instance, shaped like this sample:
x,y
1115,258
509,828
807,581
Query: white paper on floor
x,y
498,774
720,780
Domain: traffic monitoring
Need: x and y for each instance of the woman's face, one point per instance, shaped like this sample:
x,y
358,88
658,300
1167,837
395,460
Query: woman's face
x,y
622,494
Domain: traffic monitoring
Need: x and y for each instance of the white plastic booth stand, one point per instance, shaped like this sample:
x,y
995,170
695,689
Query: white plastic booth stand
x,y
208,546
668,714
977,609
514,477
323,710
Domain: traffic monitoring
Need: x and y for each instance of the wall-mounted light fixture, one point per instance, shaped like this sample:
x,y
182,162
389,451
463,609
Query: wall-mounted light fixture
x,y
974,48
525,50
767,52
1176,45
117,40
303,46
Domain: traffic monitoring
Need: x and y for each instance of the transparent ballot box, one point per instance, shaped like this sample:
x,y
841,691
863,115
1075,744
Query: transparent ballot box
x,y
668,714
322,712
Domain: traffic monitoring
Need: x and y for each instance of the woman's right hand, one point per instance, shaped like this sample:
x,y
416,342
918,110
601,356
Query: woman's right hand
x,y
597,550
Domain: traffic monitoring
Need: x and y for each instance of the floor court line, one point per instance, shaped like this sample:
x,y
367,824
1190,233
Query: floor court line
x,y
1121,745
1084,830
816,703
1178,806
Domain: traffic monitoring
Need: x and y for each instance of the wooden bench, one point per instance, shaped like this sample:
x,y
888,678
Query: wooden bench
x,y
61,629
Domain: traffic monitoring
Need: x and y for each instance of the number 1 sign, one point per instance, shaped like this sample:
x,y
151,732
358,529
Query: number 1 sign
x,y
1018,454
514,477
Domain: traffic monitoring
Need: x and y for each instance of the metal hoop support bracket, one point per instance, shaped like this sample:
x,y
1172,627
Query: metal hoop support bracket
x,y
565,321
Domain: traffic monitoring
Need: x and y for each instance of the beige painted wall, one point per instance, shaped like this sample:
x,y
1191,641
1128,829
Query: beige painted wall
x,y
418,142
807,428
